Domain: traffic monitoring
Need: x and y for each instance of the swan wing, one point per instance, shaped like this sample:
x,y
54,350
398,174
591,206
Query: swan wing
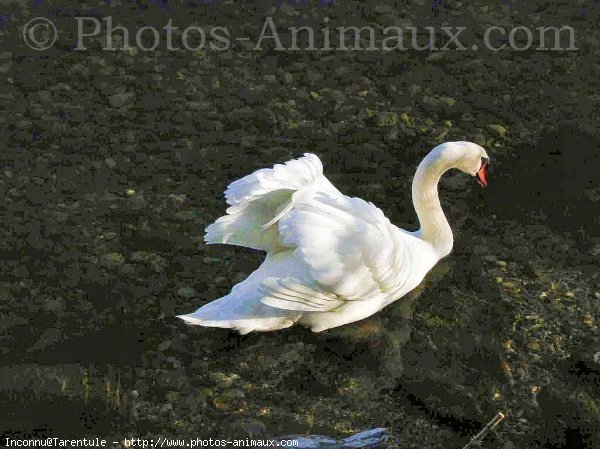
x,y
259,200
349,248
292,294
293,175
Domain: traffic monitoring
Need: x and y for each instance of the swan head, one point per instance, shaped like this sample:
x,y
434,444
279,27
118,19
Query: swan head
x,y
468,157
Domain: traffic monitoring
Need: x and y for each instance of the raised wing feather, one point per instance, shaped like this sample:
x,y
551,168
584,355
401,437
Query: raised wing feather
x,y
259,200
292,175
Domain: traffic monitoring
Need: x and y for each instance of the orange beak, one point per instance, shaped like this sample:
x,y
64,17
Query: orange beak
x,y
481,175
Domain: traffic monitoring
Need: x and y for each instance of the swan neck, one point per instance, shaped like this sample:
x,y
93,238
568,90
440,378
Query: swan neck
x,y
434,227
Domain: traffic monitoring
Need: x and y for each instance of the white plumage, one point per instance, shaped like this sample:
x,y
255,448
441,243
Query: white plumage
x,y
331,259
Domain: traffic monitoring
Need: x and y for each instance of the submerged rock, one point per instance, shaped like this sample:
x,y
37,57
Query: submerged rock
x,y
374,438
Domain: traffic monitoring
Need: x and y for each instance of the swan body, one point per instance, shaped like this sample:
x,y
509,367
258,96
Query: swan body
x,y
331,259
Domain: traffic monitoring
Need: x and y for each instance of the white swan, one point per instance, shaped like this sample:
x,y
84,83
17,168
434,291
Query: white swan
x,y
331,259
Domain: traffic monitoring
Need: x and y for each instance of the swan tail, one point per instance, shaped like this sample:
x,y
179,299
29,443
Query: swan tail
x,y
243,326
243,309
259,200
